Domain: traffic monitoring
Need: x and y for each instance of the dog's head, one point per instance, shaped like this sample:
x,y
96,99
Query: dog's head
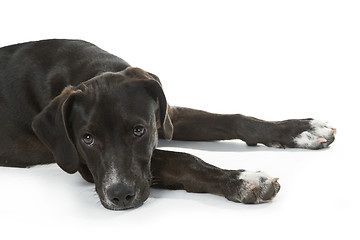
x,y
107,128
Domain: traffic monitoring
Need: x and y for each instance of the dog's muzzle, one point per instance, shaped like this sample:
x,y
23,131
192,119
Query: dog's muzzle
x,y
121,196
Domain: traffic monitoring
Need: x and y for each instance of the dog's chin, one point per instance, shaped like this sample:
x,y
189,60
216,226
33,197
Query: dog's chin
x,y
119,208
137,202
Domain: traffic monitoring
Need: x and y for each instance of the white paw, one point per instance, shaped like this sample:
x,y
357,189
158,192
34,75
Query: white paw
x,y
255,187
320,135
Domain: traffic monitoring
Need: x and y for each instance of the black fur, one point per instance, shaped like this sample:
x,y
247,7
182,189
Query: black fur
x,y
70,102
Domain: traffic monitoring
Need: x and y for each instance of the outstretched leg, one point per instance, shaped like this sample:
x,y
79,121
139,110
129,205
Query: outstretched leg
x,y
195,125
174,170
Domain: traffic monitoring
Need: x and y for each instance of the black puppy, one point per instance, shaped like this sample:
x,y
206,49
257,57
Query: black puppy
x,y
69,102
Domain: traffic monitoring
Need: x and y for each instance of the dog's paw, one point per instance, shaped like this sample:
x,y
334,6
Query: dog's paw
x,y
253,187
319,135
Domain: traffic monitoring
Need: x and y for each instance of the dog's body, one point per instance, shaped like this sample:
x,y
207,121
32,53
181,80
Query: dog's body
x,y
69,102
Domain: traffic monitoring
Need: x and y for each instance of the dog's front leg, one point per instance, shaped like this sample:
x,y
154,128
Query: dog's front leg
x,y
196,125
175,170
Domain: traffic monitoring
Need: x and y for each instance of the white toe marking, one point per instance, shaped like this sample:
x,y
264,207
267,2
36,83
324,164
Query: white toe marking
x,y
253,177
256,184
306,139
310,139
321,129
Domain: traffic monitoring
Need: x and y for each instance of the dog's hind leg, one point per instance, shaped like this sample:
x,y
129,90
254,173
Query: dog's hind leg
x,y
175,170
195,125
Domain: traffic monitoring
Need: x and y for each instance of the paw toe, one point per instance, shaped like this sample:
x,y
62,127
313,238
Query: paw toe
x,y
319,135
257,187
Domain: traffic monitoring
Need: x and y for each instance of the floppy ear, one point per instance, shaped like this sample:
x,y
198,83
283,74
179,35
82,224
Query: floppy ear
x,y
154,89
51,127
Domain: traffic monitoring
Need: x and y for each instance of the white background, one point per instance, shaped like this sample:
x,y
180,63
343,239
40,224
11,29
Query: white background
x,y
269,59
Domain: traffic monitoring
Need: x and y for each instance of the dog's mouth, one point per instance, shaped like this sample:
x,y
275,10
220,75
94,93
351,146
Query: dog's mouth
x,y
114,207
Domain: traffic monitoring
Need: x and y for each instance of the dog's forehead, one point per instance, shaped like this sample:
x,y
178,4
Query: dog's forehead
x,y
116,100
123,98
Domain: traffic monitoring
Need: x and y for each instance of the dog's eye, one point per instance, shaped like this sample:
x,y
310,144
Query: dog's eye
x,y
88,139
139,131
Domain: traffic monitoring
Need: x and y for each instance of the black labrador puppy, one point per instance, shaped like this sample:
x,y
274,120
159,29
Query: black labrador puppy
x,y
70,102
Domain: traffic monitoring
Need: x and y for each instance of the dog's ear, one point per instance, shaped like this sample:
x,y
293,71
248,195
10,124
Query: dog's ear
x,y
155,90
51,127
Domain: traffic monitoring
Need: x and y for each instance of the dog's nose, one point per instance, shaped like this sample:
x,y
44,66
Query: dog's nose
x,y
121,194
